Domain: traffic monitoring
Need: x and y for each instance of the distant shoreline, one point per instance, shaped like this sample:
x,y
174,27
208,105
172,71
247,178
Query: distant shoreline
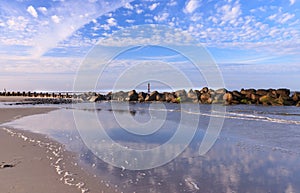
x,y
266,97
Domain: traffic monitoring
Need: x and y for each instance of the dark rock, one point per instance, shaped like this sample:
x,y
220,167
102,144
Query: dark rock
x,y
283,92
262,92
245,101
142,96
181,95
7,166
205,98
133,96
119,96
236,95
218,99
296,97
270,100
254,98
248,91
152,96
228,98
170,97
193,96
160,97
204,90
221,91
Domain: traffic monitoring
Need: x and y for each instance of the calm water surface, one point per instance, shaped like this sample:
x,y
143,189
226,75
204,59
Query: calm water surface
x,y
258,149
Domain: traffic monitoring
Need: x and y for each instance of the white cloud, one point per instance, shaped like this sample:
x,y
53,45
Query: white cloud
x,y
292,2
68,12
139,11
230,13
272,17
105,27
43,10
17,23
148,34
111,21
2,24
55,19
172,3
281,18
130,20
191,6
161,17
31,10
153,6
128,6
285,17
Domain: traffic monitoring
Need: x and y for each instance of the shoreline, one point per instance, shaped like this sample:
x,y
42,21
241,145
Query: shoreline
x,y
32,162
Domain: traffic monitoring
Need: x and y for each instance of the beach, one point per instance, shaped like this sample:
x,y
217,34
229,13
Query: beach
x,y
257,149
34,163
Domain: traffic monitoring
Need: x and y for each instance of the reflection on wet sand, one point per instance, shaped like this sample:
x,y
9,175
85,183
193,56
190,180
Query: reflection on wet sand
x,y
236,163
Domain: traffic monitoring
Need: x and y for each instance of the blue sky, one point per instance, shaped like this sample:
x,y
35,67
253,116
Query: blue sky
x,y
254,43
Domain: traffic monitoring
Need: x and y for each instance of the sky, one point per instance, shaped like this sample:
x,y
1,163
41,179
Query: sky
x,y
254,44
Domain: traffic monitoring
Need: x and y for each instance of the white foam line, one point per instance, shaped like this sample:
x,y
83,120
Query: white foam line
x,y
245,117
231,115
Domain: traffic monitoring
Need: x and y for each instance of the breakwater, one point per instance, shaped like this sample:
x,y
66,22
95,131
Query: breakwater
x,y
274,97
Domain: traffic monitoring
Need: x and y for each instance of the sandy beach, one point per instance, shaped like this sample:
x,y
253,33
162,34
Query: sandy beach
x,y
33,163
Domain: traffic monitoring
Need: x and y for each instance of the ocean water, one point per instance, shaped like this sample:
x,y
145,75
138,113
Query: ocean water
x,y
257,149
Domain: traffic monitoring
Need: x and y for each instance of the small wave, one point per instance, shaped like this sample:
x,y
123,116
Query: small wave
x,y
249,117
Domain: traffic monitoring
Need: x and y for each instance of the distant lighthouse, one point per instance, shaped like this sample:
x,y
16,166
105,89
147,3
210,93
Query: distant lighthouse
x,y
148,88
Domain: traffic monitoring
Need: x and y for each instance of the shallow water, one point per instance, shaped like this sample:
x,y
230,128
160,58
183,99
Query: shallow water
x,y
258,149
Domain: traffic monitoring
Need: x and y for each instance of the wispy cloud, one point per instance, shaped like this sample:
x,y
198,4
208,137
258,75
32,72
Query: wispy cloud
x,y
292,2
75,15
153,6
191,6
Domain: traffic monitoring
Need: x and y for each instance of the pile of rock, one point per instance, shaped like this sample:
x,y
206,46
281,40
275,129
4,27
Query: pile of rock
x,y
273,97
37,94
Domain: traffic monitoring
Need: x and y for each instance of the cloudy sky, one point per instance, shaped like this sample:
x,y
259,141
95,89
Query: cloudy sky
x,y
254,43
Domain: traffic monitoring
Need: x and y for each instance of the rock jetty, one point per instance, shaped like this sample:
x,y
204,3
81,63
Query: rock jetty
x,y
274,97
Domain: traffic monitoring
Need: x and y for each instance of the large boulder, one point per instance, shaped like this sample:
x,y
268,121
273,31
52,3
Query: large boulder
x,y
266,99
181,95
237,95
119,96
160,97
296,96
193,96
132,96
262,92
152,96
170,97
283,92
248,92
108,96
221,91
142,96
204,90
218,99
269,99
228,98
205,98
96,98
254,98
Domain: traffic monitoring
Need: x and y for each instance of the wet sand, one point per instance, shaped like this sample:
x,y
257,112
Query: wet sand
x,y
34,163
